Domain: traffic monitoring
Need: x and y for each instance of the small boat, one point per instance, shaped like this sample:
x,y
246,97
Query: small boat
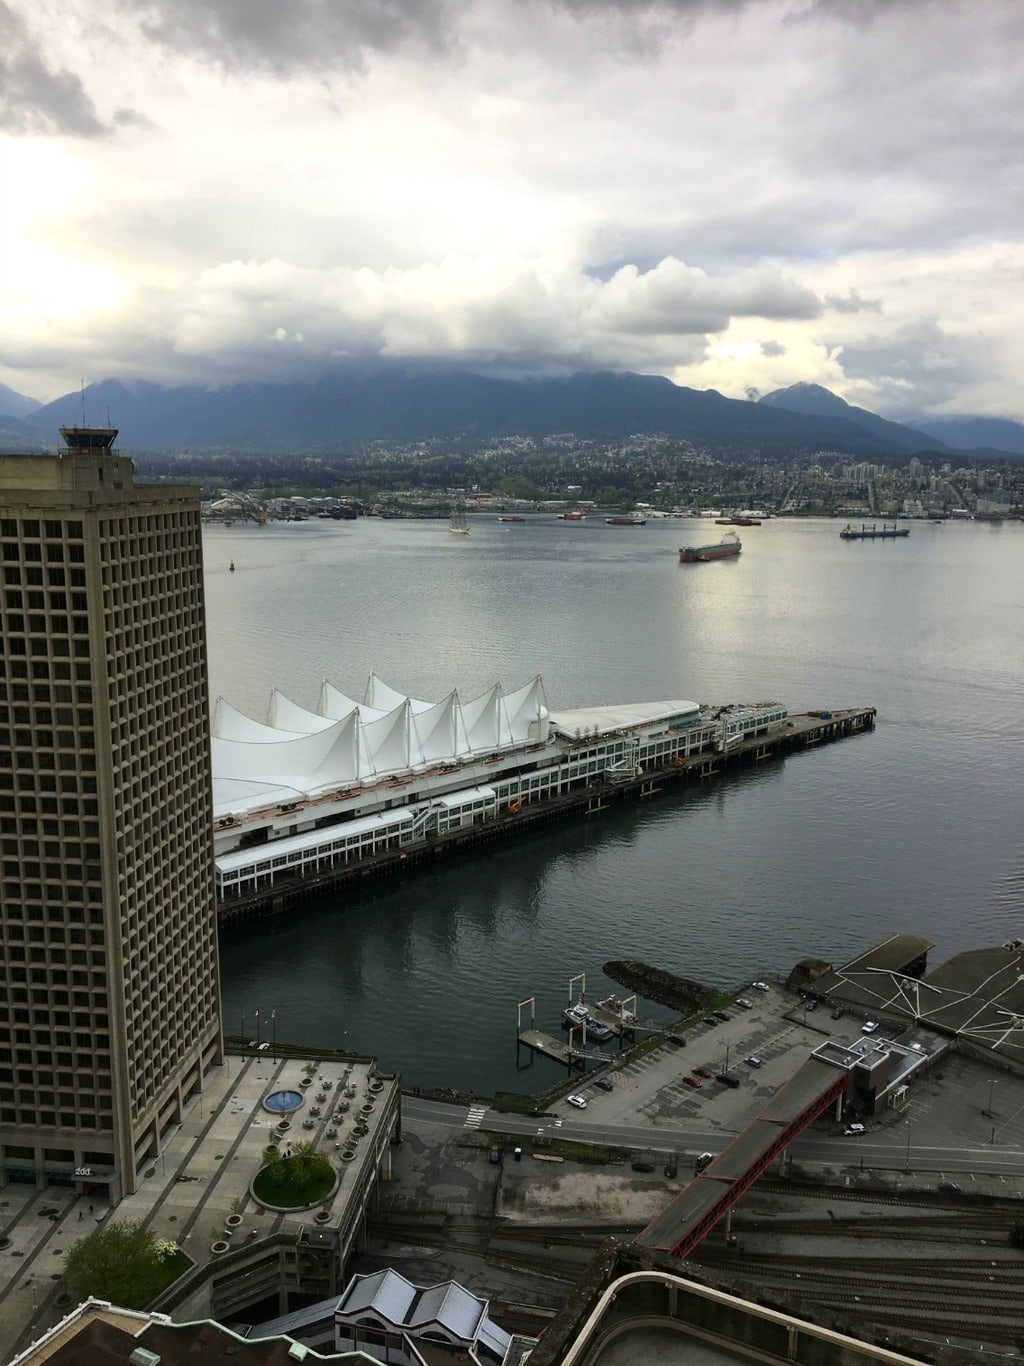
x,y
730,544
571,517
737,521
614,1005
457,526
628,519
507,518
577,1014
231,567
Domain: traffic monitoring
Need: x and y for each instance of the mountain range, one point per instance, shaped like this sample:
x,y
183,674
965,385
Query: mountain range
x,y
395,406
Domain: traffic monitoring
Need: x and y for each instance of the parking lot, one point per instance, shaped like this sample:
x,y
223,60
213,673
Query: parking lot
x,y
677,1084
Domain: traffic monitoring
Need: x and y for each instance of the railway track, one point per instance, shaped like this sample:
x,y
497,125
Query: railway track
x,y
968,1290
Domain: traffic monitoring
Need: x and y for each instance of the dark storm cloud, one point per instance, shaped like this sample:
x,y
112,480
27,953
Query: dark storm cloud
x,y
916,367
285,37
37,98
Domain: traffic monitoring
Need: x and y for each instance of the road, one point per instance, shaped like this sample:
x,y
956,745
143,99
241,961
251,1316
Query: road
x,y
880,1153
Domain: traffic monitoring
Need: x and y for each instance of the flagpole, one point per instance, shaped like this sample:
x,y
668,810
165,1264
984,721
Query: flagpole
x,y
273,1028
257,1026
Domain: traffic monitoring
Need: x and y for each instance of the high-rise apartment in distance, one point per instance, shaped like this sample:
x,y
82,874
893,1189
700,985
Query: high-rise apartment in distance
x,y
109,993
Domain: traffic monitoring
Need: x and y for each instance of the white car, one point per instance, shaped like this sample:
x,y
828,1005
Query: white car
x,y
869,1027
578,1101
852,1129
760,986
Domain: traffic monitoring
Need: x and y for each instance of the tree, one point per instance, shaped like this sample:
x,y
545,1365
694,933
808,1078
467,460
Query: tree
x,y
309,1166
122,1261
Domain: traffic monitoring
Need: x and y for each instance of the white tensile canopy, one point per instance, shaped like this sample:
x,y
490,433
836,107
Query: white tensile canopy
x,y
345,743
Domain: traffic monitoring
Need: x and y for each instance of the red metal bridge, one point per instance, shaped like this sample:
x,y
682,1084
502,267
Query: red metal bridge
x,y
697,1208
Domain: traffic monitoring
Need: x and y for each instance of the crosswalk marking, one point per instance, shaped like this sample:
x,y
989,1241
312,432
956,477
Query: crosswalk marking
x,y
475,1117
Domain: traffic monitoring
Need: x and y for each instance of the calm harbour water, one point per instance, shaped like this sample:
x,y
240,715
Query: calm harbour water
x,y
917,827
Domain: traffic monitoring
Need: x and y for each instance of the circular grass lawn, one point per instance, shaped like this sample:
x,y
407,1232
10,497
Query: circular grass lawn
x,y
290,1183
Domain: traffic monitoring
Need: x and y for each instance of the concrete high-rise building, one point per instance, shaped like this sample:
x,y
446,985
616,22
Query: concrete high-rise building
x,y
109,992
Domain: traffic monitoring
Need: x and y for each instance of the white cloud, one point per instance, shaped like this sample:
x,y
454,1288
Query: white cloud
x,y
734,195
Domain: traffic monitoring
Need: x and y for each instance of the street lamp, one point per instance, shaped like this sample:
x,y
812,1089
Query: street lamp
x,y
907,1167
991,1087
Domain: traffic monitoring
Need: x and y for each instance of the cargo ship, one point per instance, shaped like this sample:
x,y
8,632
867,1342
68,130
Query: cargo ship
x,y
873,533
730,544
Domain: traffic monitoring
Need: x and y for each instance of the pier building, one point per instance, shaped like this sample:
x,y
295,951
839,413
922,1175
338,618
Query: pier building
x,y
109,1002
310,794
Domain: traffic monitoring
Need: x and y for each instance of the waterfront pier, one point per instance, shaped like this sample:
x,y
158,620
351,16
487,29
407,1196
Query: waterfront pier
x,y
587,797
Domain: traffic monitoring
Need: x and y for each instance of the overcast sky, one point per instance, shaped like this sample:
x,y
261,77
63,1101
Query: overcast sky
x,y
737,194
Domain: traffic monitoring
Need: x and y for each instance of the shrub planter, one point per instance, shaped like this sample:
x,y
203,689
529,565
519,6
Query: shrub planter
x,y
283,1126
233,1220
349,1155
367,1108
322,1216
306,1081
221,1245
376,1087
290,1198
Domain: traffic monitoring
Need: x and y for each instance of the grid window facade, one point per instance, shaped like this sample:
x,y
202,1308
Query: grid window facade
x,y
109,998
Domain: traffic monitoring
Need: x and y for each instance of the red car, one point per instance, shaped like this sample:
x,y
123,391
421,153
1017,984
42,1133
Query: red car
x,y
703,1072
692,1081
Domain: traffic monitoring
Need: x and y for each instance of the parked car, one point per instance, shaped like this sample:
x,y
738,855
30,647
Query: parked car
x,y
742,1001
703,1160
494,1156
839,1012
869,1027
703,1072
677,1039
578,1101
264,1045
692,1082
852,1130
810,1004
753,1060
950,1187
727,1079
603,1084
760,986
721,1015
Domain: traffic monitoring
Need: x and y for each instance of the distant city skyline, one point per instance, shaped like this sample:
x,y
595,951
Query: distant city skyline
x,y
735,196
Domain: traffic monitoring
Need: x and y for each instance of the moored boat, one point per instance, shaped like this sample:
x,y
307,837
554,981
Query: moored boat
x,y
627,519
616,1006
573,516
730,544
457,526
509,518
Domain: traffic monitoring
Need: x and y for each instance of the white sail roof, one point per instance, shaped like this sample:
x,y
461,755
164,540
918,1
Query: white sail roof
x,y
345,743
